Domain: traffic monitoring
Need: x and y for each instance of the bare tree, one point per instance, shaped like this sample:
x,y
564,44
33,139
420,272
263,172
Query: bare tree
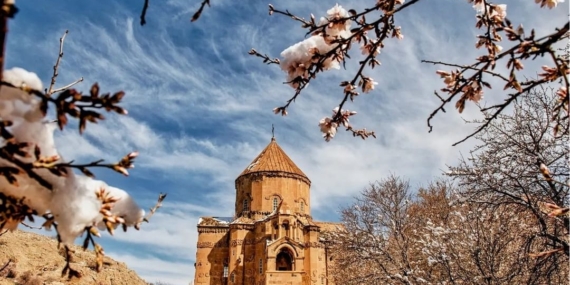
x,y
521,161
522,164
392,236
373,247
475,244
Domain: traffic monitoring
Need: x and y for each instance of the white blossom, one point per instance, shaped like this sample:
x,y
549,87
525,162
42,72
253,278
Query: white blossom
x,y
368,84
549,3
328,128
72,201
298,58
499,12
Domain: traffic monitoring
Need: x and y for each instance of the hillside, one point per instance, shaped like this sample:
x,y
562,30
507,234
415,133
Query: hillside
x,y
35,260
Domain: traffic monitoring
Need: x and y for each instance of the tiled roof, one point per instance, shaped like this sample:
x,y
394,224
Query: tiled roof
x,y
273,159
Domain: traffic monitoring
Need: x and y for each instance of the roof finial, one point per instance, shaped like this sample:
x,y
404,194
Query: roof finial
x,y
272,132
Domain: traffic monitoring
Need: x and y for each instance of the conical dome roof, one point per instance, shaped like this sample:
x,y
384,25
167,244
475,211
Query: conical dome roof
x,y
274,159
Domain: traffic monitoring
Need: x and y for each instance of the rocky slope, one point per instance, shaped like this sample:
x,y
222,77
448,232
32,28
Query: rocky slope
x,y
32,259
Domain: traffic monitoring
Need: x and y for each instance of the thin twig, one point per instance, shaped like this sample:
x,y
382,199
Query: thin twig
x,y
161,197
56,66
199,11
121,166
385,19
500,109
341,47
26,167
143,12
548,40
67,86
266,58
467,67
30,227
51,89
67,269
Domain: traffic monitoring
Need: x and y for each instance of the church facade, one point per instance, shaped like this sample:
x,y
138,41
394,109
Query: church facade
x,y
272,239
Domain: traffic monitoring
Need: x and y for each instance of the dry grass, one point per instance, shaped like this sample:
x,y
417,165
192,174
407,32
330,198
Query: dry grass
x,y
32,259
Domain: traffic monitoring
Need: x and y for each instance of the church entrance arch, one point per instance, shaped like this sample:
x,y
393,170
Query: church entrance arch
x,y
284,260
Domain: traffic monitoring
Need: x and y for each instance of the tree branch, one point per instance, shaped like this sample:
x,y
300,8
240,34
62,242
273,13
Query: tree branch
x,y
466,67
158,204
198,13
49,91
143,12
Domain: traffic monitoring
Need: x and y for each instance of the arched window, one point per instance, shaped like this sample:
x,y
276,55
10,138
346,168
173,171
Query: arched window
x,y
302,206
275,230
284,261
286,227
275,203
260,265
245,204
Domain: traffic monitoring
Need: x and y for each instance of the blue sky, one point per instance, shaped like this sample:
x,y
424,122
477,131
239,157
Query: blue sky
x,y
200,106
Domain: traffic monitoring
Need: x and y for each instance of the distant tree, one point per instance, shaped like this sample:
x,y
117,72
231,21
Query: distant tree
x,y
393,236
524,165
466,243
374,247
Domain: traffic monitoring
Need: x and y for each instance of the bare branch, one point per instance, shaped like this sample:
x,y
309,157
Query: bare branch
x,y
49,91
500,109
67,86
30,227
158,204
121,166
265,57
383,27
526,48
198,13
143,12
466,67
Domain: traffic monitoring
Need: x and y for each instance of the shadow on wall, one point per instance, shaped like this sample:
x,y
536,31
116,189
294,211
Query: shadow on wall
x,y
218,259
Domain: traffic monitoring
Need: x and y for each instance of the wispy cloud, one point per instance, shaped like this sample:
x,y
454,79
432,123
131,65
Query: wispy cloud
x,y
200,107
154,269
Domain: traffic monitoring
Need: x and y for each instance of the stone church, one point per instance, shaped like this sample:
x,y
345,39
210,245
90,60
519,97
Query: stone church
x,y
272,239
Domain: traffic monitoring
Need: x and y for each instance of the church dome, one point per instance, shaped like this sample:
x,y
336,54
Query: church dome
x,y
273,160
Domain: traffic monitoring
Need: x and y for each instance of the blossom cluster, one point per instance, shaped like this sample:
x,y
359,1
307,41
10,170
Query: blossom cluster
x,y
299,59
329,126
494,18
75,202
324,50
